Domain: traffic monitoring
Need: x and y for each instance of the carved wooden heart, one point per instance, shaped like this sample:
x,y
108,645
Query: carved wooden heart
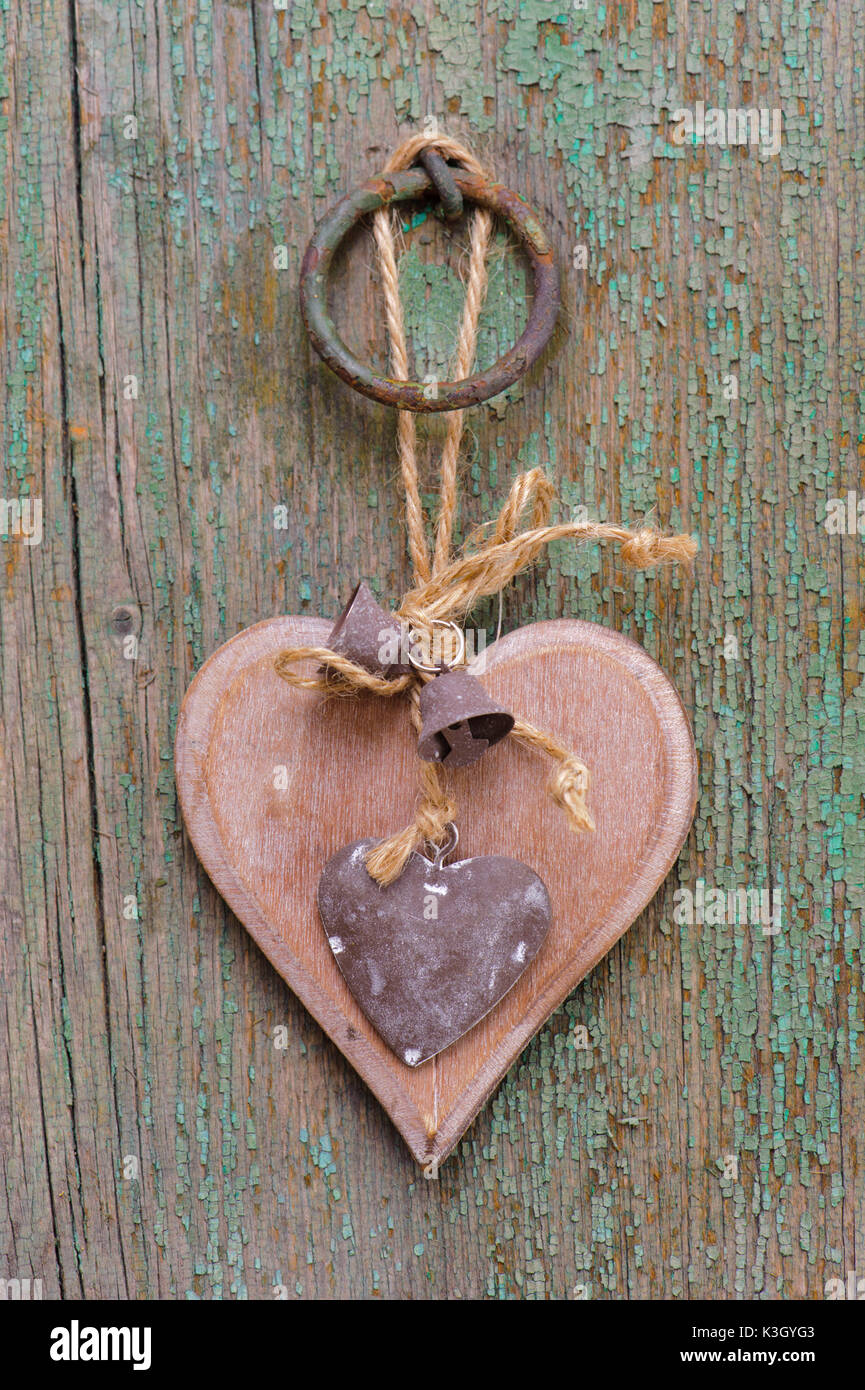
x,y
274,780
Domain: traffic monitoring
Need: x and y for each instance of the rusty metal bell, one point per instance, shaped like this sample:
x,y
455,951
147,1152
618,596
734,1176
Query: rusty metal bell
x,y
369,636
460,720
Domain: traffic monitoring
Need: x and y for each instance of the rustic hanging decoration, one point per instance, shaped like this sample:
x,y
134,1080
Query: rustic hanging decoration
x,y
430,975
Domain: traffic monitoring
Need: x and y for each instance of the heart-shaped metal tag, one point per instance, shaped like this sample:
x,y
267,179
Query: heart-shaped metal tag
x,y
428,957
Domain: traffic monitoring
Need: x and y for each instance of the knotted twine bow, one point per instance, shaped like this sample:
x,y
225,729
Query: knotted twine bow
x,y
446,588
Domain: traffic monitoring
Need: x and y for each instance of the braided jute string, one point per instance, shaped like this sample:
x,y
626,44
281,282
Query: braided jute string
x,y
447,587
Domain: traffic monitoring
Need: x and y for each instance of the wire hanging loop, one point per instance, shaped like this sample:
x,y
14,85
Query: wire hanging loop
x,y
443,851
405,186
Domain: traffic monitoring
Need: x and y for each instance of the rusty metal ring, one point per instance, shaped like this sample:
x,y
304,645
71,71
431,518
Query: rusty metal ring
x,y
403,187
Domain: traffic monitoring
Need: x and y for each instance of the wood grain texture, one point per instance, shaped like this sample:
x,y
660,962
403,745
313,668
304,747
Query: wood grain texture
x,y
274,780
161,400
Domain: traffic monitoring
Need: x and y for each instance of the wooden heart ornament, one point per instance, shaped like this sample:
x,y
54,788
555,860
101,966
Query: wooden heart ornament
x,y
275,781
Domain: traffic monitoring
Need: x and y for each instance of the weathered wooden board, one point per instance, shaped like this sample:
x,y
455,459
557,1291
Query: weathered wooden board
x,y
274,780
690,1122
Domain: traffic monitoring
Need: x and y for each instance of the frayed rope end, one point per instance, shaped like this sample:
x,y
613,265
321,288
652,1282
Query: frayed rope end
x,y
646,547
569,789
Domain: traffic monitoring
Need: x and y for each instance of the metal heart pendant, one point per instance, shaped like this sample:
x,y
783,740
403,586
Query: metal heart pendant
x,y
428,957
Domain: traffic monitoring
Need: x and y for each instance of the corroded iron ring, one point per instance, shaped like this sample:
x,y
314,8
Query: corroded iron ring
x,y
403,187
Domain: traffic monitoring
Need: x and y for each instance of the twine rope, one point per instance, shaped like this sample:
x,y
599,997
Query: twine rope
x,y
446,588
475,291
